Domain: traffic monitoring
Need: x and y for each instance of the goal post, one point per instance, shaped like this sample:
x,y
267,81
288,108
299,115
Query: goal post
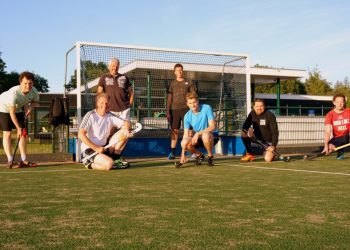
x,y
222,80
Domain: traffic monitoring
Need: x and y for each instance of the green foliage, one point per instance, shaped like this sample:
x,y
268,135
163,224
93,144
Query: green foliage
x,y
152,205
91,72
344,88
287,87
9,80
41,84
315,85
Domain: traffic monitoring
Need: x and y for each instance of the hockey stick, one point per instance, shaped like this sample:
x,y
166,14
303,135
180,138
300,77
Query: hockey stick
x,y
138,127
281,157
306,157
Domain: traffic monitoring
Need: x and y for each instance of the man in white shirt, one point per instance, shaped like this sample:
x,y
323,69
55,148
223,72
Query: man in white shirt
x,y
94,132
15,105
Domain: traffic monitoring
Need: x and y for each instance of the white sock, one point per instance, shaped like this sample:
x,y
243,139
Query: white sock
x,y
9,158
23,157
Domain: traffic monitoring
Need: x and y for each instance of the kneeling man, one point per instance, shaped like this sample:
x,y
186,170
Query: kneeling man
x,y
94,133
199,124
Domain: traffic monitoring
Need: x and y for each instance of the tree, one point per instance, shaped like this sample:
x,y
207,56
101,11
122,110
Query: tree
x,y
343,88
287,87
41,84
11,80
315,85
2,74
91,71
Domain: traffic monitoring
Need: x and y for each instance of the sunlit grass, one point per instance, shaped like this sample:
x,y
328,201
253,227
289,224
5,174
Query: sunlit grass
x,y
154,205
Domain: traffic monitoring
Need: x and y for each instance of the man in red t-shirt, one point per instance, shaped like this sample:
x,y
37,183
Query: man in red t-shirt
x,y
337,123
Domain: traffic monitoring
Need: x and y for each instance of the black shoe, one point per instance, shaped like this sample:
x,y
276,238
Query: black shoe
x,y
210,161
88,163
199,159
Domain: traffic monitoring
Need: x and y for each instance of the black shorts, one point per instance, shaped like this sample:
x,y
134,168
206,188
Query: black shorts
x,y
200,143
177,115
90,151
6,123
339,141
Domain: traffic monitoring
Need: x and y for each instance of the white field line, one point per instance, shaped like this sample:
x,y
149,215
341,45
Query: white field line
x,y
293,170
44,171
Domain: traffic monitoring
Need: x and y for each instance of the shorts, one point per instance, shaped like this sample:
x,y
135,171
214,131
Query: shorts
x,y
200,143
125,114
177,115
90,151
6,123
339,141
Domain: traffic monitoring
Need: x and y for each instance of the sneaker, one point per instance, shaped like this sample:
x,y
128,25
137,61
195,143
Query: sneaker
x,y
248,157
124,161
199,159
87,164
340,156
210,161
12,164
171,156
120,164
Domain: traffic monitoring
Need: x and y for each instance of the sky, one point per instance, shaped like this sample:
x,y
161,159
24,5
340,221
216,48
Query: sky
x,y
299,34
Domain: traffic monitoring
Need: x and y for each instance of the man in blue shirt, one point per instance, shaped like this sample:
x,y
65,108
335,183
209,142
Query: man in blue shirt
x,y
199,124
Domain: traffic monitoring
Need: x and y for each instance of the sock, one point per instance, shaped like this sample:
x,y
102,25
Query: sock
x,y
9,158
23,157
172,150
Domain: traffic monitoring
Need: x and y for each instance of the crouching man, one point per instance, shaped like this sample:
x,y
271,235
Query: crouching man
x,y
94,132
199,124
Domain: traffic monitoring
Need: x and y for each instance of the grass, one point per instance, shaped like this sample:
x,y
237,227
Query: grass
x,y
32,148
156,206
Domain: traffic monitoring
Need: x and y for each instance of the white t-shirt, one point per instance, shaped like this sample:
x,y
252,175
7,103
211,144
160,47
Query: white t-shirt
x,y
99,127
14,97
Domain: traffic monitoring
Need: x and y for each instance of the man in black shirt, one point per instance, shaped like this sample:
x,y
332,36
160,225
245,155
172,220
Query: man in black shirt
x,y
177,105
260,124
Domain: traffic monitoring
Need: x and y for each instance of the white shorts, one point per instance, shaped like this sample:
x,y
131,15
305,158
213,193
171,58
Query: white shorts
x,y
125,114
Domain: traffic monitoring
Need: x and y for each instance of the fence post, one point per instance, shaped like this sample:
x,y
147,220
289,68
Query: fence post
x,y
149,94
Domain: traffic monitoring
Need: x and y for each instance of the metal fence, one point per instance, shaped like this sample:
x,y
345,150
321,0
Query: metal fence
x,y
300,110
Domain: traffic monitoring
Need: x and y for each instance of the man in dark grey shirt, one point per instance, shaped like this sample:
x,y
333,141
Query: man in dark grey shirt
x,y
177,107
264,128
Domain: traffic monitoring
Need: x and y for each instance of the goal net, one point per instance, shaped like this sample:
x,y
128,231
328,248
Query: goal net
x,y
220,80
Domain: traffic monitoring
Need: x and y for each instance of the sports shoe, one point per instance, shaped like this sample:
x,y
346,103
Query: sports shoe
x,y
199,159
340,156
171,156
210,161
120,164
124,161
87,164
248,157
12,164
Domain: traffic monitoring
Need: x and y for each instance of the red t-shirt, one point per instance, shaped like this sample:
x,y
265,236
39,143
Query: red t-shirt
x,y
340,122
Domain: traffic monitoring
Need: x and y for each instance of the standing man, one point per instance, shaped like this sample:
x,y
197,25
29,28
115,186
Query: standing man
x,y
119,91
262,125
15,105
176,105
337,124
94,132
199,124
